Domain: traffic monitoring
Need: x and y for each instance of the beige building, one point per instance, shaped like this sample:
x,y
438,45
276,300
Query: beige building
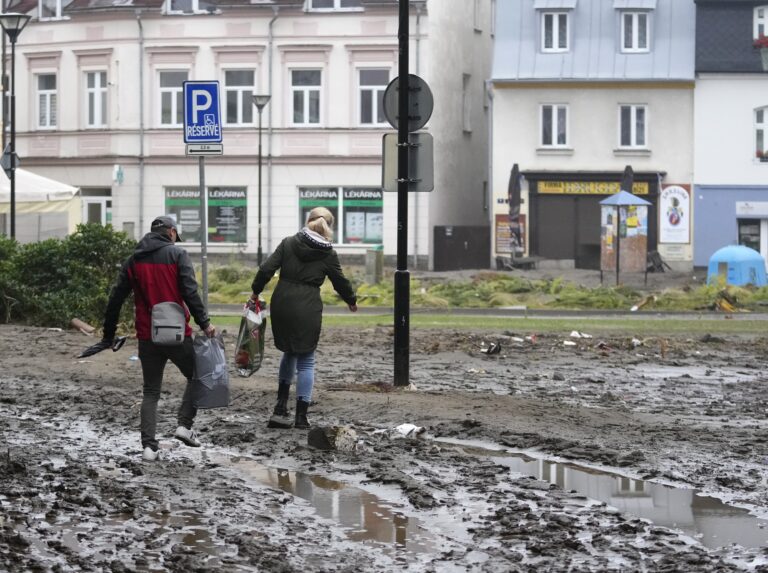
x,y
100,106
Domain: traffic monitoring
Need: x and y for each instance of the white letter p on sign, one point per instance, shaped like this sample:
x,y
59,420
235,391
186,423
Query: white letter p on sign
x,y
201,101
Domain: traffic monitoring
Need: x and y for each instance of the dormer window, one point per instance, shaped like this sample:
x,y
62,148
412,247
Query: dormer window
x,y
760,27
635,19
51,9
334,5
634,32
554,32
555,20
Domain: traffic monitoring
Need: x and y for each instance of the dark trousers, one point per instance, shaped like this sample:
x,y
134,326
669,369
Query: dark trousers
x,y
153,359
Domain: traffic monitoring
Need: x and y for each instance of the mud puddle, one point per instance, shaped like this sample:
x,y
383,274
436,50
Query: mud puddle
x,y
706,519
364,516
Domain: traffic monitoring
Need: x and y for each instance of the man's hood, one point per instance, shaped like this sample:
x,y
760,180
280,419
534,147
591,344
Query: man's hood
x,y
309,246
150,243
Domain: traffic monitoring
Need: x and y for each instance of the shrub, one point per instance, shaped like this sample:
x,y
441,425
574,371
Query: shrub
x,y
55,280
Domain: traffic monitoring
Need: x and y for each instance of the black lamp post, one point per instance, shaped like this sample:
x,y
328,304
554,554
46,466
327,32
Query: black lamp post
x,y
13,24
260,101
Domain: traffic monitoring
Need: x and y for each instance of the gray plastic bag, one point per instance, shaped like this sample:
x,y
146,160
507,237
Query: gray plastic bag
x,y
211,384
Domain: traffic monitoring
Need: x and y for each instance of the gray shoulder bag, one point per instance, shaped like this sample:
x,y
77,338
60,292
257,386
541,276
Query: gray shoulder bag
x,y
168,324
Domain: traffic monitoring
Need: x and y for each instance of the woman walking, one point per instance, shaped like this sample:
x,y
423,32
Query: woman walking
x,y
304,260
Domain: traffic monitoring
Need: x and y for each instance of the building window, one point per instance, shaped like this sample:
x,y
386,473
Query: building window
x,y
476,11
466,103
633,126
227,213
190,7
554,31
239,86
760,22
96,98
358,212
335,4
305,88
554,125
761,129
373,84
172,98
52,9
634,32
749,233
46,101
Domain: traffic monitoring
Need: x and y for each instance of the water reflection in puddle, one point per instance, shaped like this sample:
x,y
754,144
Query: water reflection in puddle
x,y
364,516
712,522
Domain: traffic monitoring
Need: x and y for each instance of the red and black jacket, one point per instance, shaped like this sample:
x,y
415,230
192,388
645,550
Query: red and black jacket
x,y
158,271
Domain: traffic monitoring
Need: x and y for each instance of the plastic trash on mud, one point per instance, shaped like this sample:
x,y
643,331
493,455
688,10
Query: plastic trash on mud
x,y
407,431
249,348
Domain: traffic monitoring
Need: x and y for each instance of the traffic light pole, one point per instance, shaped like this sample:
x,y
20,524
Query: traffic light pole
x,y
402,276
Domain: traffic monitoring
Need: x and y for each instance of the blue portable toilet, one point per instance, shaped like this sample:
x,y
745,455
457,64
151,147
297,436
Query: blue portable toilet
x,y
739,265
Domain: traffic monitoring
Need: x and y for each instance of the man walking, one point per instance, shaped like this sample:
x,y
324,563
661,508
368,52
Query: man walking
x,y
160,272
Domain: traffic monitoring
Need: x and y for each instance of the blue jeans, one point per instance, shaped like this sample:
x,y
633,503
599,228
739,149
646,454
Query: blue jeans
x,y
303,365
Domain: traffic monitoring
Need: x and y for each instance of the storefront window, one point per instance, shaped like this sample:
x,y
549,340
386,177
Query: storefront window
x,y
749,233
358,212
363,215
227,210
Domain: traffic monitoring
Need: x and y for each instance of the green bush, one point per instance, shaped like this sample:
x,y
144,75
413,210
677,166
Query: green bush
x,y
50,282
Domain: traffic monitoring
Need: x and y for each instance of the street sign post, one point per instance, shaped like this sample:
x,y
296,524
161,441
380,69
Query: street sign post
x,y
203,136
420,103
420,163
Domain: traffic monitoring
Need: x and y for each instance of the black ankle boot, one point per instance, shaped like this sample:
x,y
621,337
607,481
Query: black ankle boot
x,y
281,417
302,422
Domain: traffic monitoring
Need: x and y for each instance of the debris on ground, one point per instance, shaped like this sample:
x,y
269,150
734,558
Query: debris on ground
x,y
644,302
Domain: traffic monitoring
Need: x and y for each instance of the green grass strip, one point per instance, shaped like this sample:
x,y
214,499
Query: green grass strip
x,y
677,326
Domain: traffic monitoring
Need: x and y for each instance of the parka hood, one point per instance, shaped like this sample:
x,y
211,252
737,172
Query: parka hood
x,y
309,246
150,243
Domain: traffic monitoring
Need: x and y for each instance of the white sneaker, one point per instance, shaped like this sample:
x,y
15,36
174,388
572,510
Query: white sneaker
x,y
189,437
149,455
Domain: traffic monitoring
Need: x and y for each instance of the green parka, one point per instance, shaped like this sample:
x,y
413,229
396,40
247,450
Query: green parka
x,y
296,308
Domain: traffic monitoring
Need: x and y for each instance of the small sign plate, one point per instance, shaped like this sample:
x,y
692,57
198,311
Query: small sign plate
x,y
205,149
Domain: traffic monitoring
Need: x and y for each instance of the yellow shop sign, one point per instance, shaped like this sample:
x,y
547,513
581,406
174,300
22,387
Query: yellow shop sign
x,y
588,187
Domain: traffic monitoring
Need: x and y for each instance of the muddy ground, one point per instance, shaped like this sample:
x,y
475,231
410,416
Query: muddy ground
x,y
611,454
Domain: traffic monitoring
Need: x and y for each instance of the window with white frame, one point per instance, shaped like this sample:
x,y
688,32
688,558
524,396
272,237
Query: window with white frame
x,y
761,133
373,84
172,98
554,125
760,22
96,99
239,86
46,101
633,126
635,33
189,6
51,9
334,4
305,89
554,31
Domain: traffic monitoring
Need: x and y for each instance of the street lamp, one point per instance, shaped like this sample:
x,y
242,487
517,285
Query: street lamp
x,y
260,101
12,24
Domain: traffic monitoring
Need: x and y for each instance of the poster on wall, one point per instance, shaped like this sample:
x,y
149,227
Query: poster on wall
x,y
227,209
504,235
675,214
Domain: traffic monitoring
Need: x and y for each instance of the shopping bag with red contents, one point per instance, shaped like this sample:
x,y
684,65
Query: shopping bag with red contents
x,y
249,349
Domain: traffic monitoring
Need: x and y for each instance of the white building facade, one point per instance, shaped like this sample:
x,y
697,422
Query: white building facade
x,y
731,164
581,89
99,106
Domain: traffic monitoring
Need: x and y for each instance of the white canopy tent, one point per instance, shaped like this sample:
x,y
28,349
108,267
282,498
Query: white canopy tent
x,y
45,208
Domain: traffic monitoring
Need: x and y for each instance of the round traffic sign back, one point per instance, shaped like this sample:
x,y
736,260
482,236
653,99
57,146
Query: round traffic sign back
x,y
420,103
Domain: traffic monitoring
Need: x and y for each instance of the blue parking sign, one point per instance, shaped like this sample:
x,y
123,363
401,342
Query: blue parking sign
x,y
202,114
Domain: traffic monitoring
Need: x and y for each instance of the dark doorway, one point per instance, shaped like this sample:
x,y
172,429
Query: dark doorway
x,y
459,248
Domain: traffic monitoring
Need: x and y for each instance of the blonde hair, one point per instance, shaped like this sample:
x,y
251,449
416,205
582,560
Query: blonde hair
x,y
320,221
